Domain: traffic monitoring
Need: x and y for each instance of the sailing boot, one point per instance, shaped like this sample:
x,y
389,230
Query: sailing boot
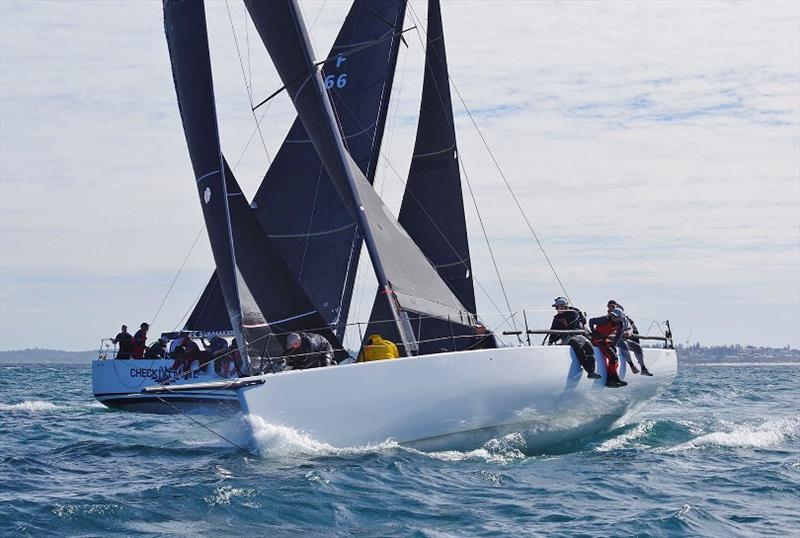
x,y
593,375
634,369
645,371
613,381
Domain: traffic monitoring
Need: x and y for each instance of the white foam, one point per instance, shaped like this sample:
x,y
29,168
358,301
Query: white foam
x,y
503,450
765,435
30,406
627,439
223,495
281,441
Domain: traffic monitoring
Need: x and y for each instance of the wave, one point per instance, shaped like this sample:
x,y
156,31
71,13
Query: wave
x,y
627,439
224,495
281,441
31,406
505,449
769,434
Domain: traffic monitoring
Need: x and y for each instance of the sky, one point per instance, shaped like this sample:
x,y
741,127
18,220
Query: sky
x,y
654,146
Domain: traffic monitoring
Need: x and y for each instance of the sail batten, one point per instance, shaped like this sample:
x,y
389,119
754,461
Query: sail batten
x,y
401,268
255,285
432,210
297,206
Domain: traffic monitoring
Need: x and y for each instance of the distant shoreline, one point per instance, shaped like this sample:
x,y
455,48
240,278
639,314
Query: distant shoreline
x,y
696,355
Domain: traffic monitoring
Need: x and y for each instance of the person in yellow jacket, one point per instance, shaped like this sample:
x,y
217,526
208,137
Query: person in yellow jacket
x,y
378,348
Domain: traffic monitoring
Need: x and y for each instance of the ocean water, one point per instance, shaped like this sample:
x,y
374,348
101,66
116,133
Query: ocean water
x,y
718,454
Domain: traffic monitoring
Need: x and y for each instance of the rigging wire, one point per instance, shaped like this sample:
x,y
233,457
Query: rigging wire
x,y
175,278
418,23
184,414
246,85
486,237
499,169
402,181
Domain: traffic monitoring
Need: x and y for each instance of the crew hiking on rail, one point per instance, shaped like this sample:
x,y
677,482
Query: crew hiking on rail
x,y
569,318
607,332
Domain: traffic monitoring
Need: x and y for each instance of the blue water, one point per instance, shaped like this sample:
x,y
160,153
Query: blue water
x,y
718,454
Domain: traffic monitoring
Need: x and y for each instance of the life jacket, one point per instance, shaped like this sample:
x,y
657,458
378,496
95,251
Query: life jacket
x,y
377,349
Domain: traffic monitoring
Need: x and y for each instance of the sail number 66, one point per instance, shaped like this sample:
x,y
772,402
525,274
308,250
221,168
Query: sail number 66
x,y
340,81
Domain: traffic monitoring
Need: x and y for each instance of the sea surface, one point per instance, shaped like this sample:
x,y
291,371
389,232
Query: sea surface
x,y
718,454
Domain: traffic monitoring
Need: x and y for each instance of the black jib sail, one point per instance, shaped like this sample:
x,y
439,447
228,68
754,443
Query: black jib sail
x,y
297,205
432,211
262,297
209,313
407,280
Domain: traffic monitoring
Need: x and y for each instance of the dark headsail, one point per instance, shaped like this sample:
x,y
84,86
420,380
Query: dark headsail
x,y
209,313
432,211
408,281
297,205
261,295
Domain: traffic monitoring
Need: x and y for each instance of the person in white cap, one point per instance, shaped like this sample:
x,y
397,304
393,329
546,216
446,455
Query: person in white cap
x,y
569,318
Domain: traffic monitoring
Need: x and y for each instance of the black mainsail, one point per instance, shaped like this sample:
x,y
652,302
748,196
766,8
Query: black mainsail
x,y
297,205
407,280
262,298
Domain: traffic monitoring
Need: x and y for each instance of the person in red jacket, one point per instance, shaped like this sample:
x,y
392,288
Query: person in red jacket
x,y
139,342
606,335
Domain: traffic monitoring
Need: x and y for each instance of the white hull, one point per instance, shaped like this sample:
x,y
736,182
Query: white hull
x,y
456,400
119,383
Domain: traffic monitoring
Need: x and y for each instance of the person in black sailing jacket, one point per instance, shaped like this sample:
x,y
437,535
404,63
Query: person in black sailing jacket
x,y
606,335
308,350
123,340
630,341
157,350
569,318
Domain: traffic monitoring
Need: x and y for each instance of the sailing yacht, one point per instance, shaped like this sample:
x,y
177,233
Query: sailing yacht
x,y
290,267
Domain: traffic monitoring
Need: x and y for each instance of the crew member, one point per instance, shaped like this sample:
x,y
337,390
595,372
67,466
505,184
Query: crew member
x,y
569,318
378,348
606,335
185,354
217,348
157,350
308,350
630,341
139,342
123,340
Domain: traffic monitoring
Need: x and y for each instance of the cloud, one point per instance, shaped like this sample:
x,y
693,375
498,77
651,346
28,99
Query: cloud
x,y
653,145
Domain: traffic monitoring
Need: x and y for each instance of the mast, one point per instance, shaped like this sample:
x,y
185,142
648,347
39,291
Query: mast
x,y
187,40
297,205
414,283
263,299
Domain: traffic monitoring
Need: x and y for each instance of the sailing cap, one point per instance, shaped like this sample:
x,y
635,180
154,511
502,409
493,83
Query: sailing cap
x,y
617,313
560,301
293,339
